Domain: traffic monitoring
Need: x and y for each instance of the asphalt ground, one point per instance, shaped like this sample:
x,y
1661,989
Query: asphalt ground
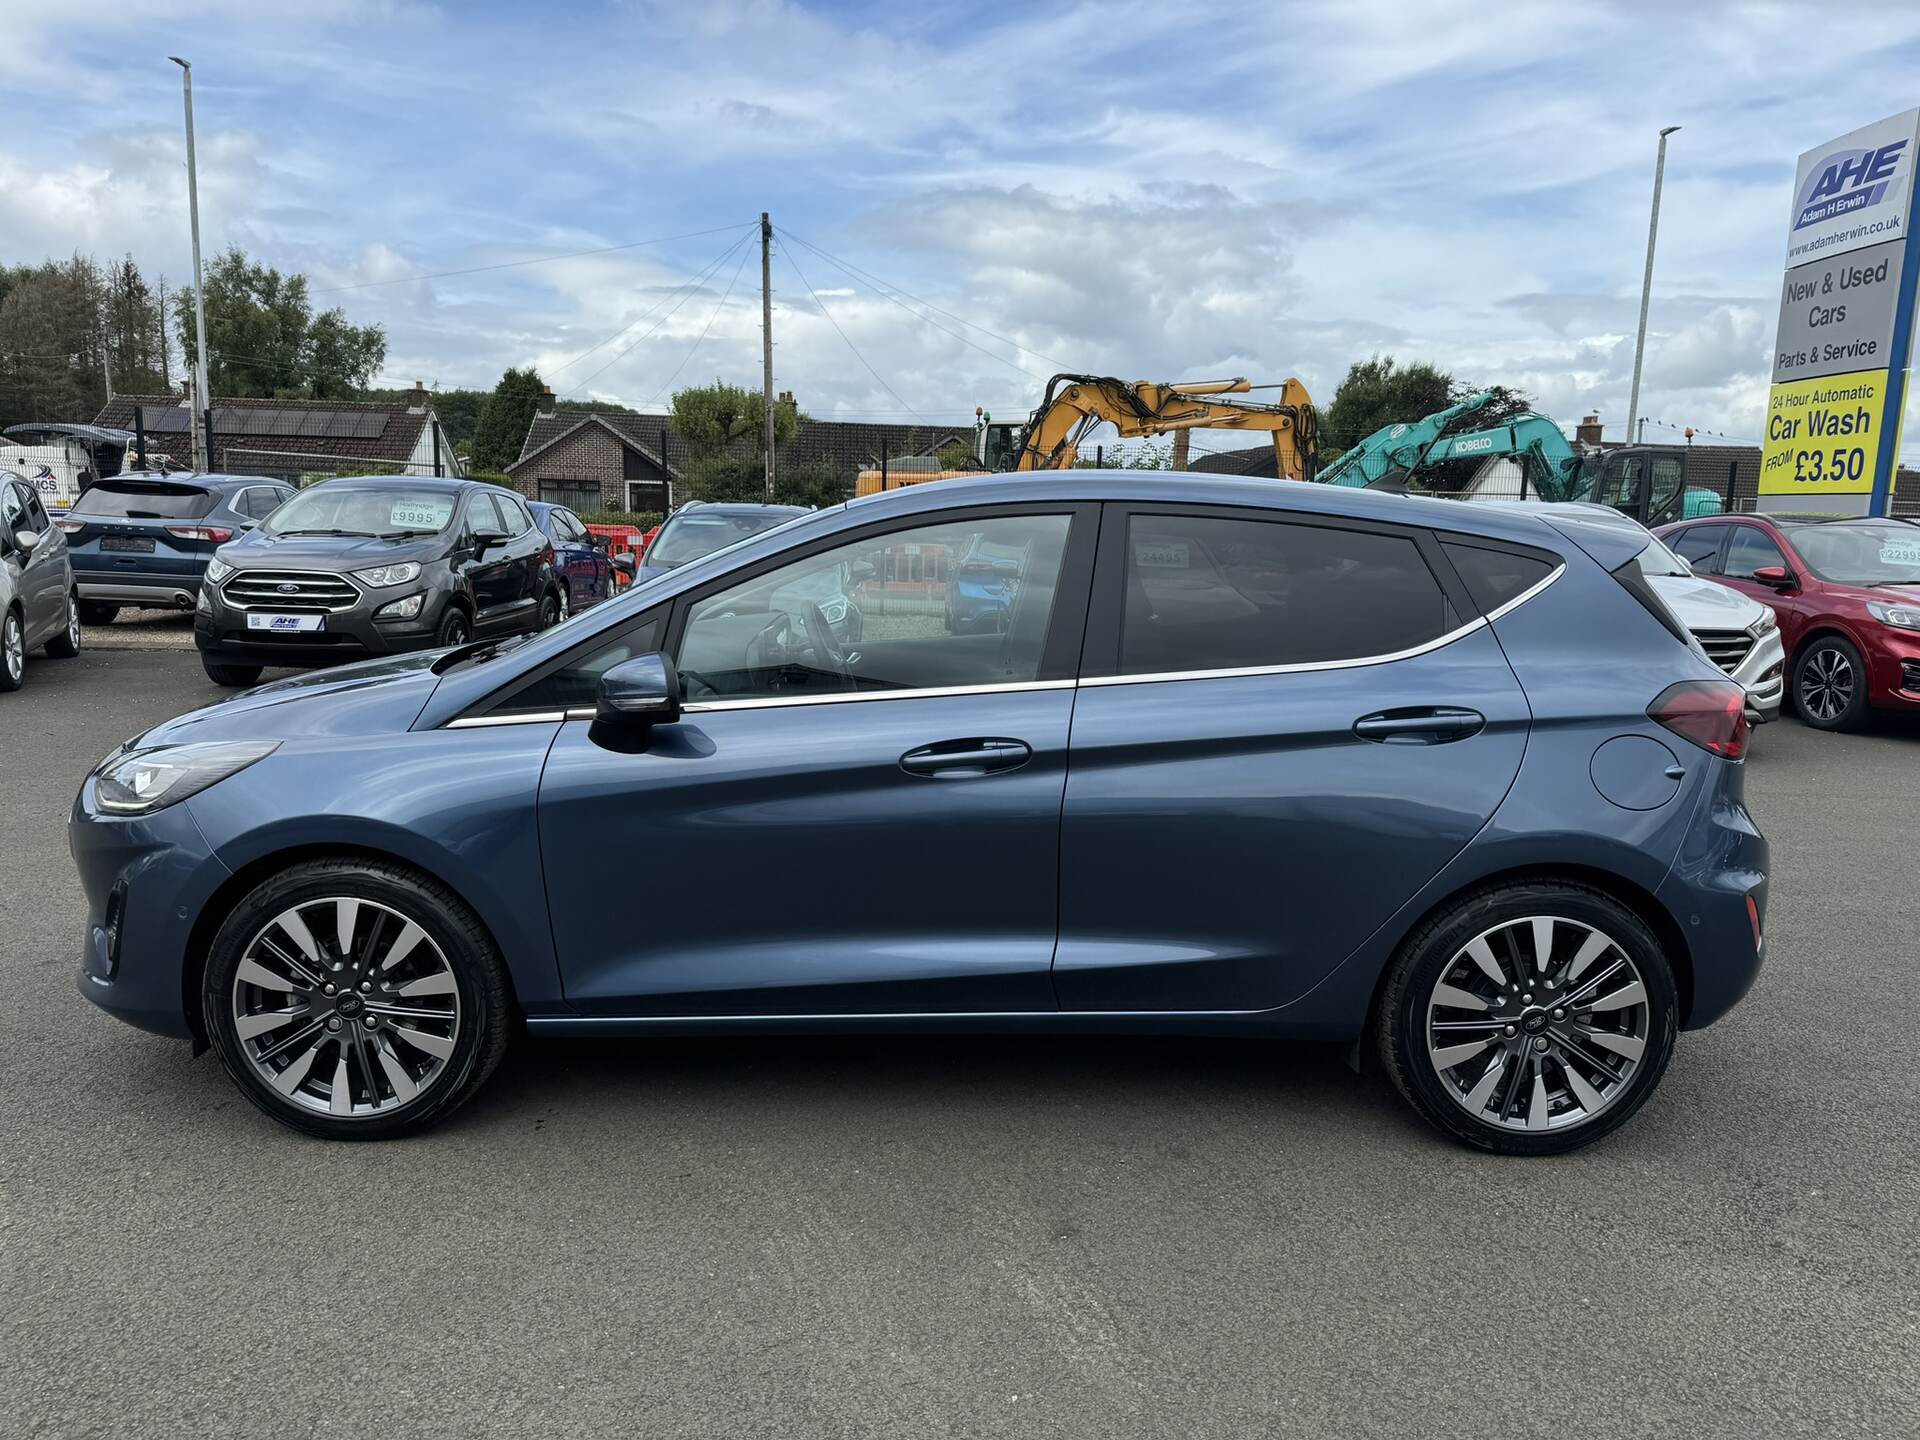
x,y
904,1237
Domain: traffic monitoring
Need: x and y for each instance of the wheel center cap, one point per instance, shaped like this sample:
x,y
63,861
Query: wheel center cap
x,y
351,1005
1534,1021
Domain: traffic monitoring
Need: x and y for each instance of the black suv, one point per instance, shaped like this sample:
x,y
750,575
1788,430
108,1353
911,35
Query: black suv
x,y
374,565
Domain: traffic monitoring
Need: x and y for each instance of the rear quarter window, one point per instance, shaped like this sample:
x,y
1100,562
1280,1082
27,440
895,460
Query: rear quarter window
x,y
1494,577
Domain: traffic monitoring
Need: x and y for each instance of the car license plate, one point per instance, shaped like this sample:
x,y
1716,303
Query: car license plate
x,y
132,544
285,624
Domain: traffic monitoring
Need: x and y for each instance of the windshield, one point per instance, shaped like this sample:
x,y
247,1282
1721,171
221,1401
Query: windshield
x,y
394,508
1657,559
691,535
144,502
1887,553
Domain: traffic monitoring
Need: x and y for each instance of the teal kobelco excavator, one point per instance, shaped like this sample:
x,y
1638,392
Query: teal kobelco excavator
x,y
1647,482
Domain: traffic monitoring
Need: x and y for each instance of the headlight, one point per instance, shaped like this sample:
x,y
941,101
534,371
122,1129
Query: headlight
x,y
1905,617
401,609
147,780
389,574
218,569
1767,621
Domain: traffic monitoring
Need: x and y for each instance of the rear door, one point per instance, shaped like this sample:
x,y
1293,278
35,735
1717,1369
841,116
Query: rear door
x,y
1285,727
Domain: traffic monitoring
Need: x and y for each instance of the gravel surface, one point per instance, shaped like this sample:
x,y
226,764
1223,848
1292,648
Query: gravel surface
x,y
902,1237
141,630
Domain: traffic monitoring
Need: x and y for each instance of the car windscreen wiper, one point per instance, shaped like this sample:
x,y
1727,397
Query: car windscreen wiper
x,y
405,534
363,534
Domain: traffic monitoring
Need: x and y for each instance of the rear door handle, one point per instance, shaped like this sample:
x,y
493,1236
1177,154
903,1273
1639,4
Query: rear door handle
x,y
960,759
1420,725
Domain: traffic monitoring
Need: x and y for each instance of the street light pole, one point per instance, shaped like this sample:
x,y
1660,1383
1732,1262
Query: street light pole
x,y
201,460
1646,284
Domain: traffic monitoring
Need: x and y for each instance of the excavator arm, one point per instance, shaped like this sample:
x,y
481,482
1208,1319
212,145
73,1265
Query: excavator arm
x,y
1075,404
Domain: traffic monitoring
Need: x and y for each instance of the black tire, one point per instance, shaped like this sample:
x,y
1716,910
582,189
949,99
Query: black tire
x,y
1434,950
455,629
485,1000
66,645
235,677
1830,685
97,612
551,611
13,652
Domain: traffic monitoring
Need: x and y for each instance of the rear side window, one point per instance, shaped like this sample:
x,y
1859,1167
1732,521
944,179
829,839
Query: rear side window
x,y
260,501
147,501
1207,593
1493,577
1699,546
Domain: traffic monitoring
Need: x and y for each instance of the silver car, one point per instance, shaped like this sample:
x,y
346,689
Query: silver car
x,y
37,601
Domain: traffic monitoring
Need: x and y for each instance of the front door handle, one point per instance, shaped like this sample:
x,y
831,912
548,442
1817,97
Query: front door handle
x,y
961,759
1420,725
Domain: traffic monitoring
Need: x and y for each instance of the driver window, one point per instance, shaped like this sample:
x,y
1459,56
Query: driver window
x,y
1621,488
1666,482
935,607
486,516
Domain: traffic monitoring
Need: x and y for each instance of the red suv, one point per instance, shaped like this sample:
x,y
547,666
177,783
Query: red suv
x,y
1847,592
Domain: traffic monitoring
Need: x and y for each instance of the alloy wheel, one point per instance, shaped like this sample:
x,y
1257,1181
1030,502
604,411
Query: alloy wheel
x,y
73,622
346,1007
1826,684
14,643
1538,1023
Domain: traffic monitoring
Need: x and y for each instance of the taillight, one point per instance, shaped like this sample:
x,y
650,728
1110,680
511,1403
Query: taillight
x,y
71,526
218,534
1710,713
1753,919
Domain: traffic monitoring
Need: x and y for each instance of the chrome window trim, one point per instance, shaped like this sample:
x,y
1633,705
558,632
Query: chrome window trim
x,y
781,702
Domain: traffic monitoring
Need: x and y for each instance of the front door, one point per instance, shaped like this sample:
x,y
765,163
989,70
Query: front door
x,y
830,828
1300,725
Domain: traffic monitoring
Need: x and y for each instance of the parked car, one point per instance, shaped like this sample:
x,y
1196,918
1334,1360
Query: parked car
x,y
584,567
1740,635
375,565
696,530
1441,778
980,589
143,539
1847,594
37,601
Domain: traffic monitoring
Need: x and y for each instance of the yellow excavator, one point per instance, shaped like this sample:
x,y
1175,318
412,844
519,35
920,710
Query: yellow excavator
x,y
1074,404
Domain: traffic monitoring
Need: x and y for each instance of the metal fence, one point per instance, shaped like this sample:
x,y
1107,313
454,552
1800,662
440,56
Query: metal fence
x,y
307,468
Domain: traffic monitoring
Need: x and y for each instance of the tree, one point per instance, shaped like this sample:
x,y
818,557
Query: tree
x,y
264,339
720,419
1379,392
505,419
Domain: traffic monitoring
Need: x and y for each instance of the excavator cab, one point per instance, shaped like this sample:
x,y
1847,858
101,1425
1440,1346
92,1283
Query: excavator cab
x,y
1645,482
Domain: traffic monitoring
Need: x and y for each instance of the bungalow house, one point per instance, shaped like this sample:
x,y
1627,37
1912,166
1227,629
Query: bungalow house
x,y
293,439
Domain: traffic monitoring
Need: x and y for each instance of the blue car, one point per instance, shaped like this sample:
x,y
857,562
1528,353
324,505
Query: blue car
x,y
1445,782
584,568
145,540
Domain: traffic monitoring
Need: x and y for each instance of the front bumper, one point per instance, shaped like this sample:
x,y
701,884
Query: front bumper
x,y
1763,675
1893,669
221,632
146,878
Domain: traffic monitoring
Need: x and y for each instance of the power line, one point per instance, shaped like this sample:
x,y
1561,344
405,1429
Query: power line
x,y
517,264
690,287
703,333
787,255
955,334
608,340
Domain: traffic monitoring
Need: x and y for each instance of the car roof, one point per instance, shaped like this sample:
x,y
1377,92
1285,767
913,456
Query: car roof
x,y
730,507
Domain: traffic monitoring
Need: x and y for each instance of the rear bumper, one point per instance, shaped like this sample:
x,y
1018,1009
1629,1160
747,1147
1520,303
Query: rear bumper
x,y
1723,862
160,592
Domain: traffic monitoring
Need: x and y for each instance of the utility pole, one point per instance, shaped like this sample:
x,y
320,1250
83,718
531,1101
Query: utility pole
x,y
1182,443
1646,283
766,341
202,402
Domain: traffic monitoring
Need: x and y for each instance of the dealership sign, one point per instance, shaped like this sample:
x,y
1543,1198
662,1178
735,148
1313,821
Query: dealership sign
x,y
1845,324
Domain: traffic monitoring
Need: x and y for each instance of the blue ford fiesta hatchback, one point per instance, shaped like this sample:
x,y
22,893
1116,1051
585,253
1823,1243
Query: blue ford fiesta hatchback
x,y
1254,759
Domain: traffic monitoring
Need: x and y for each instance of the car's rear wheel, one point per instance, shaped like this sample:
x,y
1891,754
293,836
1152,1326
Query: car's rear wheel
x,y
13,651
1830,685
1529,1019
236,677
97,612
355,999
551,611
66,644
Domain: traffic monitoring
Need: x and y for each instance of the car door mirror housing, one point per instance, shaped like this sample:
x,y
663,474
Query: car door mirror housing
x,y
1778,576
861,571
639,694
624,563
25,541
483,542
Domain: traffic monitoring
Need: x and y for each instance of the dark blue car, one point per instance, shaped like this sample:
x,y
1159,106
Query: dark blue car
x,y
1445,782
145,540
583,566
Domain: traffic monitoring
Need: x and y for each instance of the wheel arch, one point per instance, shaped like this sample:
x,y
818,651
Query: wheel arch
x,y
1820,630
241,882
1637,898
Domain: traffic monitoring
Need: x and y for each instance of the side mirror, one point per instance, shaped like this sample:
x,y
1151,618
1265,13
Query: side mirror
x,y
625,564
26,541
861,571
483,542
638,694
1776,576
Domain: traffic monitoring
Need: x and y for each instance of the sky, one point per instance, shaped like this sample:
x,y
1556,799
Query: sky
x,y
969,198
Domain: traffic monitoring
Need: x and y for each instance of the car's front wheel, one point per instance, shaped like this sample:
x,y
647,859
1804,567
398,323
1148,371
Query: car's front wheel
x,y
234,677
1830,685
1529,1019
355,999
13,651
454,629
